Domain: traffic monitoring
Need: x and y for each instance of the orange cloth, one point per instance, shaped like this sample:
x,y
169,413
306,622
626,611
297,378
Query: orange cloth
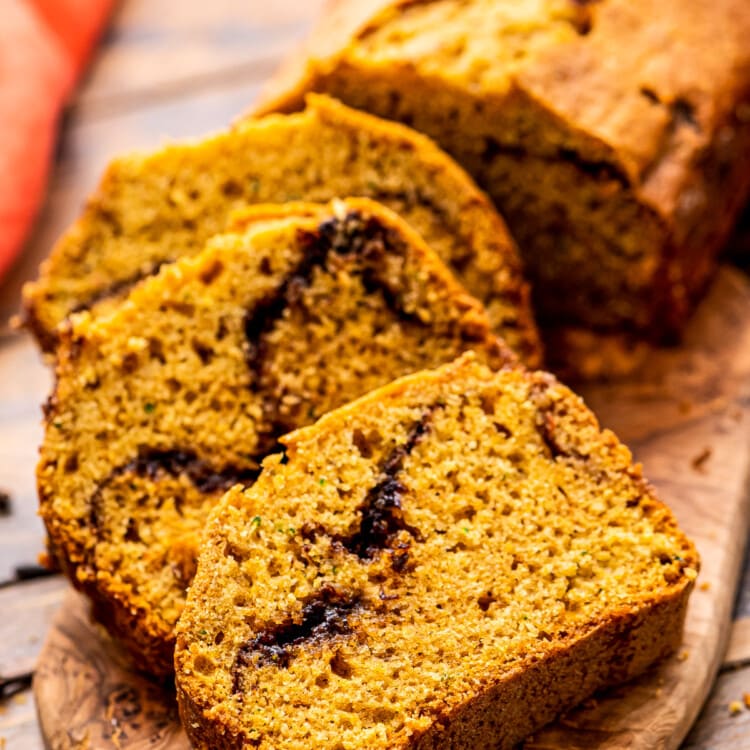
x,y
43,47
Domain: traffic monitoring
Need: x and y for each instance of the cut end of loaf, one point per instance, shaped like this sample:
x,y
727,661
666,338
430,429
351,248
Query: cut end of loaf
x,y
452,560
620,182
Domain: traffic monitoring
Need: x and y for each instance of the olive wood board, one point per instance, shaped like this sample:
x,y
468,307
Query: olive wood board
x,y
686,416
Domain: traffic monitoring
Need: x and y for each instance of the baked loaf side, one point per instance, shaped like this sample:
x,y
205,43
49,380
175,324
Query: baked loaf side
x,y
176,396
156,208
450,561
614,136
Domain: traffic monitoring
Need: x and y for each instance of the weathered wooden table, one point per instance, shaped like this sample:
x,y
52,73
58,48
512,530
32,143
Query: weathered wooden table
x,y
169,69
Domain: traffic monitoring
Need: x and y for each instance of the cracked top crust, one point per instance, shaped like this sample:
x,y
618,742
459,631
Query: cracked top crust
x,y
644,84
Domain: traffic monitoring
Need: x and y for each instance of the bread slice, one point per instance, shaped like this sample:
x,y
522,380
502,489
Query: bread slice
x,y
612,137
178,394
155,208
450,561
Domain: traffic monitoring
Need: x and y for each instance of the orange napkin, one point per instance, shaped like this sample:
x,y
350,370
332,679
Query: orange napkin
x,y
43,47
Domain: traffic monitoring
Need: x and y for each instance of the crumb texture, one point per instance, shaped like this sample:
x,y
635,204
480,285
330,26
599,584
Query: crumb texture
x,y
421,565
153,209
176,396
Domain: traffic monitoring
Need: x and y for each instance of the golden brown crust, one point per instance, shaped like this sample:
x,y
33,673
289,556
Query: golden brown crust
x,y
532,697
570,81
152,209
257,667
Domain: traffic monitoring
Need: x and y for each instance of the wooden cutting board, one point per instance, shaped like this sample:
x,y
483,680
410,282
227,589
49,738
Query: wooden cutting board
x,y
686,417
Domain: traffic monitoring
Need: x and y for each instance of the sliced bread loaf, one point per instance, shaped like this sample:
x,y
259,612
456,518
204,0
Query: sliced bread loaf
x,y
179,393
612,135
448,562
151,209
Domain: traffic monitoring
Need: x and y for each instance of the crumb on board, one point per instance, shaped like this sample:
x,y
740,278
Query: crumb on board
x,y
683,655
699,462
746,699
705,586
45,560
735,707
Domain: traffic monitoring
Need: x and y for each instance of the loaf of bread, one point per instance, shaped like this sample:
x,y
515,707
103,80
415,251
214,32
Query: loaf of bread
x,y
162,405
155,208
613,135
448,562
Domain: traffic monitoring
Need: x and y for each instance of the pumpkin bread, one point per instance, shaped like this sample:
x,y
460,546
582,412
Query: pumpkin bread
x,y
152,209
175,396
613,135
448,562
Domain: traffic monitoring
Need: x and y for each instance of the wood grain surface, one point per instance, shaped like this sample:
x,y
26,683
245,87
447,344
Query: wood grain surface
x,y
89,696
687,418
